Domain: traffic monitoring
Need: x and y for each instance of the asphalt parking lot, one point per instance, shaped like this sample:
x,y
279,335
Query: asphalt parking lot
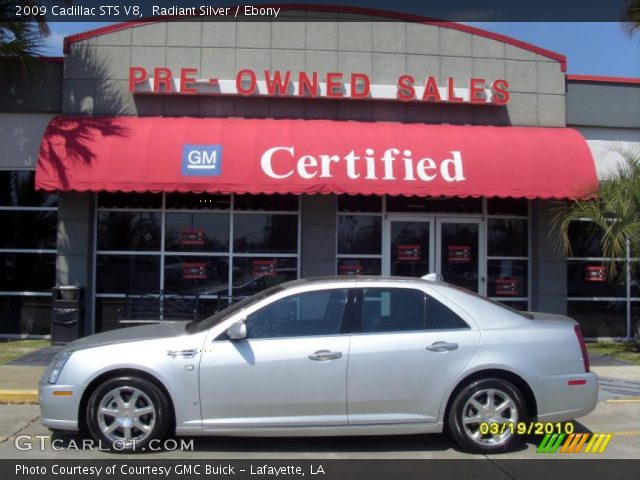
x,y
20,426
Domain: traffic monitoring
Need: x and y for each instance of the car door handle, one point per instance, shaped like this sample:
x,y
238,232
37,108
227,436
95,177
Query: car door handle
x,y
322,355
442,347
187,353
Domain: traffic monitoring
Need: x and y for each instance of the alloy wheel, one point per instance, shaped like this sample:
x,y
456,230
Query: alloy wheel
x,y
492,407
126,416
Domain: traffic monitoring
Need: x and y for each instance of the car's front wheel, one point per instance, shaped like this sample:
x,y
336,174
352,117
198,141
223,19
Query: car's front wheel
x,y
126,413
484,414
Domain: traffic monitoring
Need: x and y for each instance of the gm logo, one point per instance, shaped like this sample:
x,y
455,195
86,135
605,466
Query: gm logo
x,y
202,160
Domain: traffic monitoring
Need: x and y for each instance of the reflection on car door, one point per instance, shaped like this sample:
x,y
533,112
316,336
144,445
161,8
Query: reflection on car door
x,y
410,348
290,371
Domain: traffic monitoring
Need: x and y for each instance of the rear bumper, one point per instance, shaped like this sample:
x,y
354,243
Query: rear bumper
x,y
559,400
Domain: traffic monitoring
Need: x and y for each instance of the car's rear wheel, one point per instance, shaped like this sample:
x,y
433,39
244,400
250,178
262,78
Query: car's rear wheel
x,y
127,413
484,414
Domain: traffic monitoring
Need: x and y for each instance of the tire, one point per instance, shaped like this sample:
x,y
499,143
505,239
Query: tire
x,y
477,403
116,424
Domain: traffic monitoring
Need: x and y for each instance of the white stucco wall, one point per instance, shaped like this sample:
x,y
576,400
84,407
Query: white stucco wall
x,y
606,145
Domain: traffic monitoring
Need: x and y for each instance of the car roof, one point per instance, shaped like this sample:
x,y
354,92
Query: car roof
x,y
358,278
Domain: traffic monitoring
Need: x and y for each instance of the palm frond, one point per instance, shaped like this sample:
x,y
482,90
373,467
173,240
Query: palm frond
x,y
614,211
631,17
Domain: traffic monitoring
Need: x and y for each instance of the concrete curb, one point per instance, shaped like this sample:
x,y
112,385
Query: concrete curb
x,y
19,396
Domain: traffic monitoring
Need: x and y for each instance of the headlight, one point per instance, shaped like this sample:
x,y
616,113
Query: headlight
x,y
58,363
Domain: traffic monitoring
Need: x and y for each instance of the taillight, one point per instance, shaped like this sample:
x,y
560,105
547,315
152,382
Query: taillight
x,y
583,347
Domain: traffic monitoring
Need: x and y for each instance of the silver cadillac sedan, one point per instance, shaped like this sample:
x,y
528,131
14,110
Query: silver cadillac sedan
x,y
328,356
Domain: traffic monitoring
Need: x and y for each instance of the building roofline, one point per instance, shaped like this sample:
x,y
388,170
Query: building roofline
x,y
601,79
341,9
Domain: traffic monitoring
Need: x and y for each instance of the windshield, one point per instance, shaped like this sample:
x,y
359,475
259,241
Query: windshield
x,y
200,325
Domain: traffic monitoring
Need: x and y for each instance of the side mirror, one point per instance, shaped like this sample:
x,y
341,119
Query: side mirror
x,y
237,331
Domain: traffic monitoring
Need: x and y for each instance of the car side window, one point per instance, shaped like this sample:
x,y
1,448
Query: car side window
x,y
393,310
441,317
303,314
403,310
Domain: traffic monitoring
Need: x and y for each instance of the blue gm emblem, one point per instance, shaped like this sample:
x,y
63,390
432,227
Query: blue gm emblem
x,y
202,160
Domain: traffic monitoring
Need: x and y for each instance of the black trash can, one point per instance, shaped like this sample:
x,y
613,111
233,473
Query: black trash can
x,y
67,314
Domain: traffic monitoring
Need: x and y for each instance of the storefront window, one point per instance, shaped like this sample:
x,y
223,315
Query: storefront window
x,y
128,273
360,235
197,232
600,318
216,247
585,239
508,252
196,275
601,303
359,240
27,229
507,237
507,278
107,312
27,254
252,274
25,314
591,279
359,266
128,231
265,233
31,272
420,229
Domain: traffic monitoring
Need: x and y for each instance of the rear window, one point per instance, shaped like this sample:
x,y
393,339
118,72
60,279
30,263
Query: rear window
x,y
498,304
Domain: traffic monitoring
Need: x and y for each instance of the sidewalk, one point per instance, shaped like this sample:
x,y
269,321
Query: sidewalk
x,y
19,383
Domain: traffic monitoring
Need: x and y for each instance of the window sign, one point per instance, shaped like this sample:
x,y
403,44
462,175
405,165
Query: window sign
x,y
265,267
350,269
194,271
459,253
507,287
595,273
192,236
409,253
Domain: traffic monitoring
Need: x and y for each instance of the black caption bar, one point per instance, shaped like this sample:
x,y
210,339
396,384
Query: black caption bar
x,y
128,469
265,10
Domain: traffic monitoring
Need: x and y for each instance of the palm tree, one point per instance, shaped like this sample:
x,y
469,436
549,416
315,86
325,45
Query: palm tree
x,y
614,210
22,38
631,16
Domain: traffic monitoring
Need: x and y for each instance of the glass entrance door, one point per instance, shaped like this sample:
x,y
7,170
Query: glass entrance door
x,y
459,257
409,246
415,246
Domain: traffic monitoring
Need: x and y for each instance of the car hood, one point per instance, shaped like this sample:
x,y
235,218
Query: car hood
x,y
130,334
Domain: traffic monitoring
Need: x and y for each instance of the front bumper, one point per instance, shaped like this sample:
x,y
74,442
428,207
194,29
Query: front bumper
x,y
560,401
59,412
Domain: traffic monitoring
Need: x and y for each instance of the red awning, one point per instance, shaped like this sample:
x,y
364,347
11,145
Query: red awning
x,y
312,156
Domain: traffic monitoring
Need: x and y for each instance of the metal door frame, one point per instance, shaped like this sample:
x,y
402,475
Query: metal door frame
x,y
386,238
482,251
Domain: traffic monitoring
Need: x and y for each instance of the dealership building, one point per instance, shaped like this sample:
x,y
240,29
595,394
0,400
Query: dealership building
x,y
186,164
